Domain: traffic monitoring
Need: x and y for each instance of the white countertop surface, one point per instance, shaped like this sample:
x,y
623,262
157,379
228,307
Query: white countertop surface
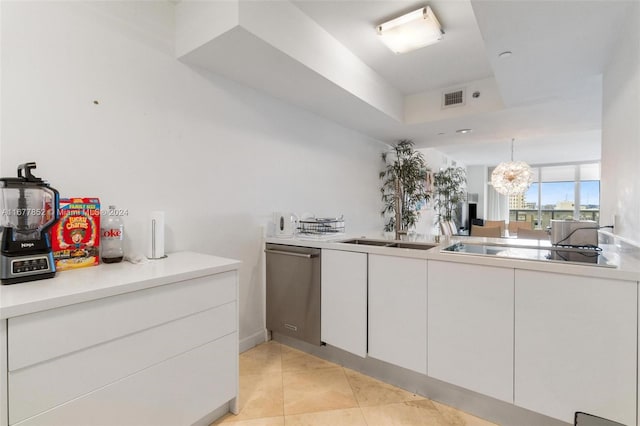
x,y
94,282
627,262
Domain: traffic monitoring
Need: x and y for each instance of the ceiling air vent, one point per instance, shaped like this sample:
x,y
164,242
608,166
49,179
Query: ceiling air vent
x,y
453,98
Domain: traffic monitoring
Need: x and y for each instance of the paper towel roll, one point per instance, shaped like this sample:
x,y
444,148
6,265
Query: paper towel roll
x,y
155,247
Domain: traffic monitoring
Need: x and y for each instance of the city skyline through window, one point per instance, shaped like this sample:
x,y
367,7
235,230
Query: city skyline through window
x,y
564,191
555,195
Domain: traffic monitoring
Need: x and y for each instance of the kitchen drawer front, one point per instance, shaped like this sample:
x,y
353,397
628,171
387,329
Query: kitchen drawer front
x,y
179,391
45,335
37,388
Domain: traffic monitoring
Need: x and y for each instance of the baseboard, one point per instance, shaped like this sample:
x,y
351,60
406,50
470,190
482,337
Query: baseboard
x,y
213,416
254,340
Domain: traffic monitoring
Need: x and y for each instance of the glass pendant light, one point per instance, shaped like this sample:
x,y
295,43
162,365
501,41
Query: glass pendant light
x,y
513,177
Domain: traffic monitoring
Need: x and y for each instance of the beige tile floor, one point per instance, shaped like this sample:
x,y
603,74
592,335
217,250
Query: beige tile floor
x,y
281,386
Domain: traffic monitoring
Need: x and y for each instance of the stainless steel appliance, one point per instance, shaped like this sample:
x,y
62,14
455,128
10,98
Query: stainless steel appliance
x,y
574,233
29,207
293,291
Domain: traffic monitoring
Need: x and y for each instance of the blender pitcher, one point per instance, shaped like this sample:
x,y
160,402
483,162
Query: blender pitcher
x,y
28,208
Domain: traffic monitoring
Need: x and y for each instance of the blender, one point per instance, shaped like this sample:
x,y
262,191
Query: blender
x,y
28,208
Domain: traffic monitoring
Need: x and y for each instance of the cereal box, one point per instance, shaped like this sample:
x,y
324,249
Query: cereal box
x,y
75,238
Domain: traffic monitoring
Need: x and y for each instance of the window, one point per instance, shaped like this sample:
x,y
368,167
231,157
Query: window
x,y
559,192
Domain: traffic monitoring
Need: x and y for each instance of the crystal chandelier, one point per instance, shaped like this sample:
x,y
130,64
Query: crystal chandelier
x,y
513,177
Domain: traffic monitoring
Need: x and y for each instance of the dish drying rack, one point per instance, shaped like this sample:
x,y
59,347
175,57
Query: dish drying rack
x,y
321,226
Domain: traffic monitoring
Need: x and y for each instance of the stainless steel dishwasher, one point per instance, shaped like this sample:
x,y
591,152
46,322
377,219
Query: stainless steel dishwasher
x,y
293,291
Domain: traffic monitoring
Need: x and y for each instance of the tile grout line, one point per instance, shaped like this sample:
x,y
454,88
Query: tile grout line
x,y
284,419
353,392
355,396
352,384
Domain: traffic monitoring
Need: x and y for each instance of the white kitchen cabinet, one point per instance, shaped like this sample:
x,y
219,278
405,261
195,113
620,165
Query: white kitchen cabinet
x,y
48,384
470,327
36,337
4,415
576,345
398,311
344,300
179,391
160,349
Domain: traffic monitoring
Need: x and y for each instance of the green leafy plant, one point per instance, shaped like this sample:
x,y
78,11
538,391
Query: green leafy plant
x,y
448,191
403,186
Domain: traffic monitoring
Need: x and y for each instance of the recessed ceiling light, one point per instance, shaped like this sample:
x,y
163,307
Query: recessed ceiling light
x,y
441,133
411,31
463,131
505,54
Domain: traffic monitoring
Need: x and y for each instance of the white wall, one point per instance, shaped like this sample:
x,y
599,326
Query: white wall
x,y
197,22
436,160
217,157
620,193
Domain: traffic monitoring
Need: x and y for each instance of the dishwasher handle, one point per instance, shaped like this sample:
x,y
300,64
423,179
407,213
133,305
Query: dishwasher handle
x,y
290,253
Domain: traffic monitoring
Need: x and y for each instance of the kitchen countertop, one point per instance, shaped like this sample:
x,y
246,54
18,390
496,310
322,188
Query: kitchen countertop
x,y
627,261
93,282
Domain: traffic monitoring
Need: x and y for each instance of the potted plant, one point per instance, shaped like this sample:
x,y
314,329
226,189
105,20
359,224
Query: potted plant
x,y
403,189
448,191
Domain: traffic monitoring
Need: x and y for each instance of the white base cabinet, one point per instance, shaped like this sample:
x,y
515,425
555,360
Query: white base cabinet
x,y
178,391
344,300
470,327
166,355
549,342
576,346
398,311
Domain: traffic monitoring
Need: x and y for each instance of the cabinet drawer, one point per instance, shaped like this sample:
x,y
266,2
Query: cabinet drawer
x,y
45,335
42,386
179,391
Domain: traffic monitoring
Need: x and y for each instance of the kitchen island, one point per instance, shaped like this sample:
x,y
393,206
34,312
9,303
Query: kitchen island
x,y
146,344
522,342
626,262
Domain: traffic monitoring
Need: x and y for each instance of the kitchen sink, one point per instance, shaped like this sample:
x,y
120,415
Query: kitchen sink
x,y
394,244
416,246
370,242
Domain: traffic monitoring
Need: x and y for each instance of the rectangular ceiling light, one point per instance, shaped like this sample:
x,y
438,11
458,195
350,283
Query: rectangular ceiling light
x,y
411,31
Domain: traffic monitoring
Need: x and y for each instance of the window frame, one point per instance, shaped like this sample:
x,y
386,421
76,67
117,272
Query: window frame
x,y
539,171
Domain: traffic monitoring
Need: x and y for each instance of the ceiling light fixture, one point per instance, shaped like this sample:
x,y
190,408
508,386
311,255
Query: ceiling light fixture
x,y
463,131
411,31
504,55
513,177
